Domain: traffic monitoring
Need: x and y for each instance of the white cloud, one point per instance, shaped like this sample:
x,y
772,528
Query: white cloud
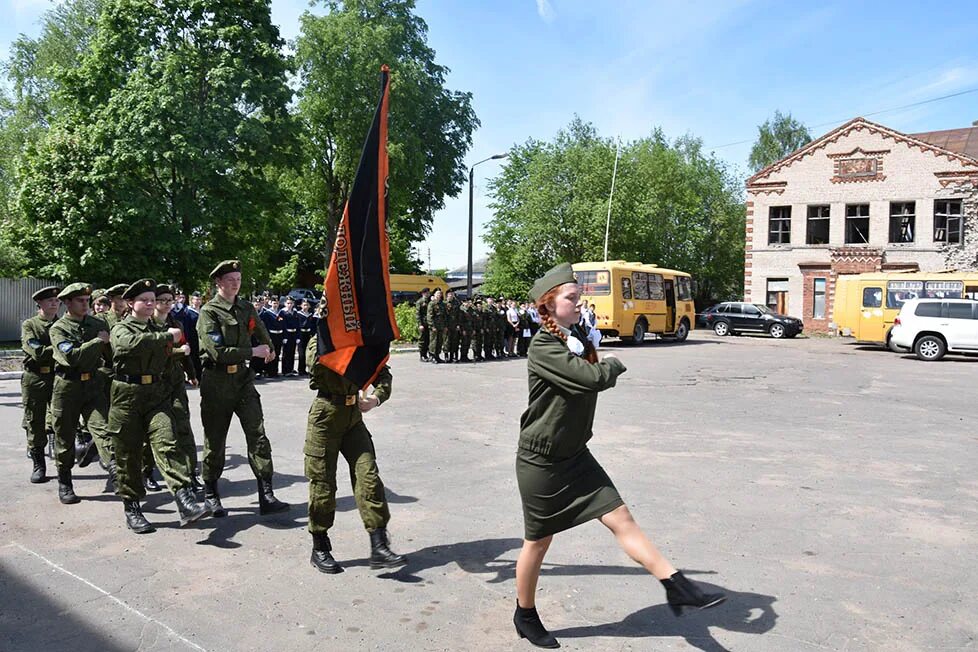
x,y
546,11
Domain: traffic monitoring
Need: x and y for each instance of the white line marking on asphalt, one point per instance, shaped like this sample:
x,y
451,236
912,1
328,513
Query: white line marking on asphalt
x,y
109,596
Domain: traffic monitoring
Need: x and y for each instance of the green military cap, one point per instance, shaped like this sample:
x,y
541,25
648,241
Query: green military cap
x,y
46,293
116,290
75,290
140,286
557,275
98,294
226,267
163,288
195,293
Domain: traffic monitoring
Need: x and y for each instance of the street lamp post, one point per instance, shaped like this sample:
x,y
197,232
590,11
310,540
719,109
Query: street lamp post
x,y
471,171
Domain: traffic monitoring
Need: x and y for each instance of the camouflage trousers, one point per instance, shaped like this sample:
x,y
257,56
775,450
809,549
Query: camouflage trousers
x,y
72,400
35,393
222,396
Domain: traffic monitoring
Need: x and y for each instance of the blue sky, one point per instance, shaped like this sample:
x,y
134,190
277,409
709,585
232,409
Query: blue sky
x,y
715,70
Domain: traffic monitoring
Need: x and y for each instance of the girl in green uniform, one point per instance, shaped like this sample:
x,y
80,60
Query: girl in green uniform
x,y
561,485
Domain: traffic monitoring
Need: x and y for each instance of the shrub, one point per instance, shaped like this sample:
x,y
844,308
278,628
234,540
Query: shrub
x,y
407,321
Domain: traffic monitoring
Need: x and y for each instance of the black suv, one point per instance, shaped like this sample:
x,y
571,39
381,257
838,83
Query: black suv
x,y
733,317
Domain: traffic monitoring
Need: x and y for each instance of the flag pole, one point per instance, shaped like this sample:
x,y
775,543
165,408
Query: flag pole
x,y
614,173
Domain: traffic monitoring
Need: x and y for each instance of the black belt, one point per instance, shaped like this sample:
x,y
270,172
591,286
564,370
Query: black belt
x,y
138,379
30,365
339,399
75,375
227,368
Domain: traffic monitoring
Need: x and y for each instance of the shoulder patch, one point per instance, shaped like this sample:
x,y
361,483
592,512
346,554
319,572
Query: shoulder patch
x,y
34,343
66,346
216,337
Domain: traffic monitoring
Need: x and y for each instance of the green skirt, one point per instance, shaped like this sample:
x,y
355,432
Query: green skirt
x,y
560,493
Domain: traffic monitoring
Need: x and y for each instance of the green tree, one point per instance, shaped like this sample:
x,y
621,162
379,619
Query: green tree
x,y
672,206
339,57
174,126
776,138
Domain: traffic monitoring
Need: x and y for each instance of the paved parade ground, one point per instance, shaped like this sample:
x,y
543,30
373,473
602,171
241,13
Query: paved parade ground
x,y
830,489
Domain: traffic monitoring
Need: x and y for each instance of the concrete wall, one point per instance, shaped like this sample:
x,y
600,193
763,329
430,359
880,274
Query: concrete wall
x,y
16,304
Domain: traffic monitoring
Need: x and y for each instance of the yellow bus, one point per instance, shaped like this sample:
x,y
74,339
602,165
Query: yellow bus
x,y
632,299
407,287
866,304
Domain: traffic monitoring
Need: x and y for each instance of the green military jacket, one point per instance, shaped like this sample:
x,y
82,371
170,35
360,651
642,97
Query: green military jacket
x,y
452,310
179,364
226,328
466,318
437,314
111,319
324,379
76,345
35,340
563,396
140,347
421,306
488,317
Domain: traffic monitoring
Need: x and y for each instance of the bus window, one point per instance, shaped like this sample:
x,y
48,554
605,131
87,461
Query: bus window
x,y
943,289
656,292
898,292
626,287
872,297
971,292
684,288
640,281
594,283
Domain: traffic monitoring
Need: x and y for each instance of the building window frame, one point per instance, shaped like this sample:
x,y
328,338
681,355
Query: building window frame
x,y
857,224
779,225
948,221
903,217
819,285
819,224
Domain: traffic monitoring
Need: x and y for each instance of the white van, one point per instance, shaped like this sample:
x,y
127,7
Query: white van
x,y
932,327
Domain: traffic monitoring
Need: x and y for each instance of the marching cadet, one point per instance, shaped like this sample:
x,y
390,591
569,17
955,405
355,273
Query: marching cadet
x,y
289,319
140,412
452,308
101,303
37,381
424,337
269,318
119,307
437,322
335,427
465,319
78,340
477,330
489,328
227,387
179,371
307,329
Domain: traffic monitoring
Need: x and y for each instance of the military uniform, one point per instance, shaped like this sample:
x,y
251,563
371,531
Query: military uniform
x,y
335,426
141,412
437,322
489,330
307,329
290,338
227,387
452,309
424,335
477,331
465,324
37,382
78,390
269,318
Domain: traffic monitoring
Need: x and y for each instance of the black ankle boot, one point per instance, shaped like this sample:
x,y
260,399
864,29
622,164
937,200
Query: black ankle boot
x,y
212,500
267,502
528,626
66,492
321,558
381,556
149,480
135,520
681,593
190,510
40,471
83,445
195,484
110,481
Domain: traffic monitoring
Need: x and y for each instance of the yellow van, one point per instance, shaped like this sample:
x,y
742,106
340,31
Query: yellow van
x,y
632,299
866,304
407,287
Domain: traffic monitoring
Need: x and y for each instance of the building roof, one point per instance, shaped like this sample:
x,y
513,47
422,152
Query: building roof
x,y
963,141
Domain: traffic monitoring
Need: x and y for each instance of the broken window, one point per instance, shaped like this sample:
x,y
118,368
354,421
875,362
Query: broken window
x,y
947,221
857,224
902,217
818,225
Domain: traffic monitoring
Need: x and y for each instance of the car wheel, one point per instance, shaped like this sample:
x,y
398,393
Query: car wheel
x,y
776,331
930,348
721,328
683,331
638,335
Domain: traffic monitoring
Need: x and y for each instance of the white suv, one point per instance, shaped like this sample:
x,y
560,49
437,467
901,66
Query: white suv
x,y
932,327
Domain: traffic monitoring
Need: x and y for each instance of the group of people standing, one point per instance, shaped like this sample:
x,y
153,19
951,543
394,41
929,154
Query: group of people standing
x,y
290,327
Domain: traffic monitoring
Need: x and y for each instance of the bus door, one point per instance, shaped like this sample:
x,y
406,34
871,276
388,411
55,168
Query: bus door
x,y
669,288
869,327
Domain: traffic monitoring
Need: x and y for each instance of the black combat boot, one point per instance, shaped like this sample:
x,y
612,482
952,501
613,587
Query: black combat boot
x,y
83,447
267,502
381,556
66,493
195,484
111,479
149,480
40,466
190,510
528,626
321,560
212,501
135,520
681,593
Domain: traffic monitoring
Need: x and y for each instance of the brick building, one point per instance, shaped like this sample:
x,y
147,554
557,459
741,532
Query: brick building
x,y
861,198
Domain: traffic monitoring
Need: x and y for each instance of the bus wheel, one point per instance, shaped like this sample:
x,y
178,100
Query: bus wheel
x,y
638,335
683,331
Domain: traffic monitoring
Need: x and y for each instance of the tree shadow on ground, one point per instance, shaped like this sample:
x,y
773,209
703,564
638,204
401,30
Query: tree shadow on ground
x,y
743,612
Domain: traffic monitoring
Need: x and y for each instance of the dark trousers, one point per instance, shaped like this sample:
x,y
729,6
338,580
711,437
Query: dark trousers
x,y
303,344
423,342
271,368
288,353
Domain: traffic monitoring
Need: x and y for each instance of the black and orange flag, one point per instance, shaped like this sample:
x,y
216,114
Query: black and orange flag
x,y
357,324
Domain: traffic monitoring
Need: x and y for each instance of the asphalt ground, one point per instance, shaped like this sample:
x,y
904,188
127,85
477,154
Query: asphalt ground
x,y
828,488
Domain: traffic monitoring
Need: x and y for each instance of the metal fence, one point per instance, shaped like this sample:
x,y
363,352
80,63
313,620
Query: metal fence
x,y
16,304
